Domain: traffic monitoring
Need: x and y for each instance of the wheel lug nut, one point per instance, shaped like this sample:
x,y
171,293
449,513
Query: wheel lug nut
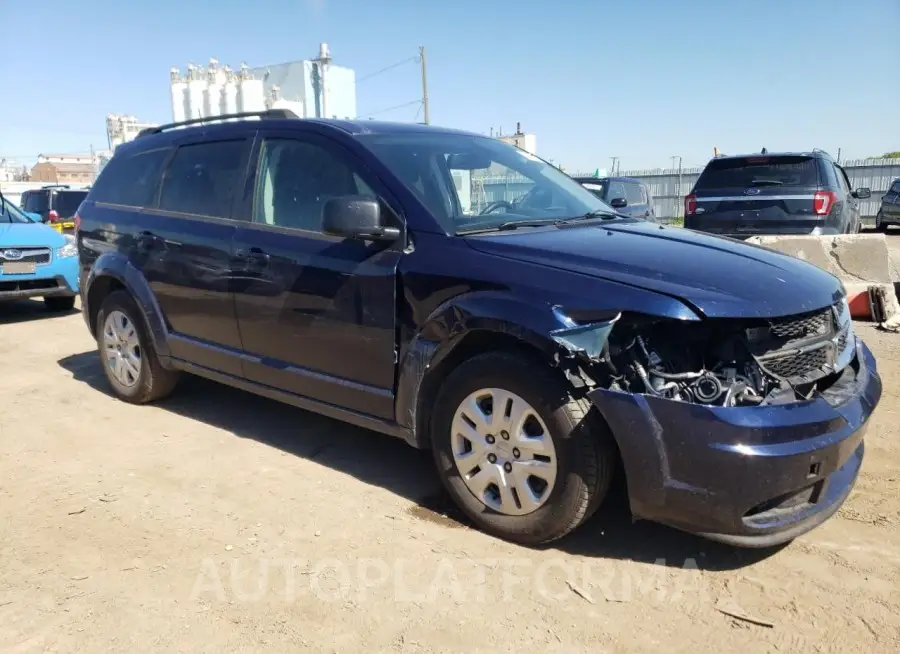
x,y
507,466
492,458
490,439
504,435
516,452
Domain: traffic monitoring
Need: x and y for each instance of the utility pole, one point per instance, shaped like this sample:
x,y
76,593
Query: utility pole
x,y
93,166
614,162
424,83
678,192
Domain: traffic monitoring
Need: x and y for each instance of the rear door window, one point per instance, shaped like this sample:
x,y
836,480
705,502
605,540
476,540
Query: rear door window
x,y
202,178
132,180
762,171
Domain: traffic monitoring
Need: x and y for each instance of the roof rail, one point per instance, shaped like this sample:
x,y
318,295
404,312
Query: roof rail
x,y
268,113
55,186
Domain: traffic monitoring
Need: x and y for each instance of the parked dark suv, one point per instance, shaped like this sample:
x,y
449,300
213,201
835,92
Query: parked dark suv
x,y
793,193
332,265
56,204
889,211
625,194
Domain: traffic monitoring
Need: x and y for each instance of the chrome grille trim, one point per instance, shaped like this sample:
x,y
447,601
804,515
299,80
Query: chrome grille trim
x,y
39,256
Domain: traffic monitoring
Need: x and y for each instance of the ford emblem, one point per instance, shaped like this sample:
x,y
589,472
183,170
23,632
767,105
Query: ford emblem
x,y
12,255
751,191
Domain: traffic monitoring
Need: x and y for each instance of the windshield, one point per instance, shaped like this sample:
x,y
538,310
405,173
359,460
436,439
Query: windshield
x,y
10,213
473,182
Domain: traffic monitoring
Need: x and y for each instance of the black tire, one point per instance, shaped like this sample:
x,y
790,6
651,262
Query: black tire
x,y
879,224
154,382
60,303
585,454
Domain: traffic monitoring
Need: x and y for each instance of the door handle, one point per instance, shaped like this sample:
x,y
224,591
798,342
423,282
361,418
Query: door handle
x,y
253,256
147,240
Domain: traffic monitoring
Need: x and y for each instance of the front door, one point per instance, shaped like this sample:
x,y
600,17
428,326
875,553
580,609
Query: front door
x,y
316,313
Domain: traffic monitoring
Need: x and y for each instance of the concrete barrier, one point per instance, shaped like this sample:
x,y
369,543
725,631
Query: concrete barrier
x,y
861,261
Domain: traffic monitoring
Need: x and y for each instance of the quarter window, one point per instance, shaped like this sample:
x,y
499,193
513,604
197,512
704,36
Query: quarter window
x,y
203,177
131,180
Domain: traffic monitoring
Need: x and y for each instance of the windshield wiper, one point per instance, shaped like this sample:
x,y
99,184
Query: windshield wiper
x,y
599,213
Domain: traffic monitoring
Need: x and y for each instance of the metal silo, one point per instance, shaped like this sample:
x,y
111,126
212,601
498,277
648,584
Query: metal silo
x,y
229,101
196,85
177,88
212,94
251,94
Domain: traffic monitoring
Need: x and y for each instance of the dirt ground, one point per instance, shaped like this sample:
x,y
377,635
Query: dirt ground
x,y
220,522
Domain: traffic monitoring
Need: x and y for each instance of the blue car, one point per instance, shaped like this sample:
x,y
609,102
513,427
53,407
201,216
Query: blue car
x,y
36,260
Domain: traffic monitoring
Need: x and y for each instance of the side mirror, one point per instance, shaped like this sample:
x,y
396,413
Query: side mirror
x,y
356,216
862,193
618,203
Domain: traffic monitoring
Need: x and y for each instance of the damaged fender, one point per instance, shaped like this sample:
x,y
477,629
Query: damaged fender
x,y
447,327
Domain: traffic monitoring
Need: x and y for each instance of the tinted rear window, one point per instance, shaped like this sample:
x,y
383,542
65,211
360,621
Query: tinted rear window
x,y
131,180
66,203
744,172
202,178
35,202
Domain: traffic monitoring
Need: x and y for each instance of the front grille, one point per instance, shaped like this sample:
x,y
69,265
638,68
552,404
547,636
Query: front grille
x,y
802,347
799,365
25,255
804,325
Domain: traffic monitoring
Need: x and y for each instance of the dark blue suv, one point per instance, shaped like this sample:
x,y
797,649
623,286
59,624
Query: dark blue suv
x,y
774,193
533,344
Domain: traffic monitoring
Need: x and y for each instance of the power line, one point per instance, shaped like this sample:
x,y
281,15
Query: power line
x,y
395,107
386,69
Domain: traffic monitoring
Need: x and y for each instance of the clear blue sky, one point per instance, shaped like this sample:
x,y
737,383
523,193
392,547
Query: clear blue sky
x,y
642,80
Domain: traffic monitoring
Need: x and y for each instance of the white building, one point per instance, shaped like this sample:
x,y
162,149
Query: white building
x,y
311,89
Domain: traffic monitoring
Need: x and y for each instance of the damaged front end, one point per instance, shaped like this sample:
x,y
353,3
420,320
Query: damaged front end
x,y
724,362
749,432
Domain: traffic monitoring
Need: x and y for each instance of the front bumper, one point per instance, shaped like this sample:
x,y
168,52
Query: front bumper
x,y
746,476
58,278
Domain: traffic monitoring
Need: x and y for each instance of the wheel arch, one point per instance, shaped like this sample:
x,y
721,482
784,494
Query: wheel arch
x,y
113,272
460,329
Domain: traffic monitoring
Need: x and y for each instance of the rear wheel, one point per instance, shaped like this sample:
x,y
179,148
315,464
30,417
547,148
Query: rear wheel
x,y
521,457
879,223
129,360
60,303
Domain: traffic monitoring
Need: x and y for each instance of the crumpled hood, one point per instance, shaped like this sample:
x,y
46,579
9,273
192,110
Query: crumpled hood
x,y
14,235
721,277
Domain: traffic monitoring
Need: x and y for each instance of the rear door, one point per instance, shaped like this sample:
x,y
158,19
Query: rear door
x,y
184,245
743,196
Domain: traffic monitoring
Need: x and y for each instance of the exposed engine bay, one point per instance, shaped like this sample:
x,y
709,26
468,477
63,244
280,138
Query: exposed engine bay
x,y
727,363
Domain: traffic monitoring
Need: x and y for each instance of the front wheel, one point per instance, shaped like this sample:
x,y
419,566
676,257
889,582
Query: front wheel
x,y
126,351
879,223
521,457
